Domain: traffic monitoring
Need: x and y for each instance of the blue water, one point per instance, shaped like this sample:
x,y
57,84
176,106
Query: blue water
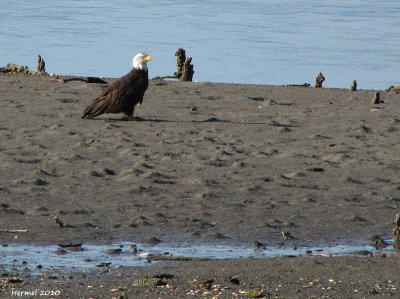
x,y
16,257
254,41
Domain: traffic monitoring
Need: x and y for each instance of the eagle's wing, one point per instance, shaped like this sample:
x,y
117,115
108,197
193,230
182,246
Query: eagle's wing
x,y
110,100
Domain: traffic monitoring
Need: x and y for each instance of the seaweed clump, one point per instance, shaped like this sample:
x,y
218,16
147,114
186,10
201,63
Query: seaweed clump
x,y
319,79
24,70
185,67
16,69
395,88
151,282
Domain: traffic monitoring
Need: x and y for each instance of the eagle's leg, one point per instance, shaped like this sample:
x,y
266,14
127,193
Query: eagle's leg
x,y
130,117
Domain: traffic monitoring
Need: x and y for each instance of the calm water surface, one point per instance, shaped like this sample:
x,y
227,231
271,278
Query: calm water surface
x,y
17,257
254,41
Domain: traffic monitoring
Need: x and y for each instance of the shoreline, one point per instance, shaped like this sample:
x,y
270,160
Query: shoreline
x,y
208,163
54,77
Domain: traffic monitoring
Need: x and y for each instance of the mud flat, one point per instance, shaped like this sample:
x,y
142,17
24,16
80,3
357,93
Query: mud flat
x,y
208,163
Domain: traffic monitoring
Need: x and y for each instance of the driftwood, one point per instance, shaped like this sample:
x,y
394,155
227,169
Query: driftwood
x,y
56,78
159,257
61,224
86,79
58,222
299,85
163,77
13,230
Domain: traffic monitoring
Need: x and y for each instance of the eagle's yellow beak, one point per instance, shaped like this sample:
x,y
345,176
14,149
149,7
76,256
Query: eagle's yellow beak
x,y
147,58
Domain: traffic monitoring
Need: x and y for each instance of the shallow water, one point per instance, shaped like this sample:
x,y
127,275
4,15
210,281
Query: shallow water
x,y
256,41
36,259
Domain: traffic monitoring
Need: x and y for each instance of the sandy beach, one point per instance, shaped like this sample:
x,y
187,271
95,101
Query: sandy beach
x,y
207,163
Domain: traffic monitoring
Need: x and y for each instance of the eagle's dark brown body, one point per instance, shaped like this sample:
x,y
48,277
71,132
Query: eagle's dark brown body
x,y
122,96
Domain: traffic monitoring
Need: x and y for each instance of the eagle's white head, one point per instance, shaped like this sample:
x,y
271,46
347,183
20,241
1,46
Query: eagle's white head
x,y
140,61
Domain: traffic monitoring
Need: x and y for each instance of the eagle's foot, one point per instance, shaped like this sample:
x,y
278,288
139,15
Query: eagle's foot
x,y
131,118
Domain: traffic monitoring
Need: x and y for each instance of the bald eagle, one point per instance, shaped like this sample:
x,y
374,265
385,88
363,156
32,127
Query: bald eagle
x,y
125,93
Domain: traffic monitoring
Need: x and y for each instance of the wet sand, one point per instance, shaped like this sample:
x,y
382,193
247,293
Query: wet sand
x,y
208,163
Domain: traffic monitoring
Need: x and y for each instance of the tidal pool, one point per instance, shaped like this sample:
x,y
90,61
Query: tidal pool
x,y
36,259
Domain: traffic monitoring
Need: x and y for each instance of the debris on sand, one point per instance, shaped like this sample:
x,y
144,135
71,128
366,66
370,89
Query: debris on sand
x,y
15,279
83,79
299,85
150,282
319,80
58,222
287,236
16,69
353,86
395,88
396,232
24,70
378,242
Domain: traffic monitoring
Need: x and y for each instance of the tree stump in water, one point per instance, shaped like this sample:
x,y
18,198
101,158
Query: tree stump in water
x,y
187,71
353,86
41,66
377,99
318,81
185,68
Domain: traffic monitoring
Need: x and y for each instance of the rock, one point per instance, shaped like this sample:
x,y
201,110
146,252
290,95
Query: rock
x,y
378,242
150,282
153,241
234,280
316,169
114,251
15,280
109,171
164,276
258,244
287,236
61,251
